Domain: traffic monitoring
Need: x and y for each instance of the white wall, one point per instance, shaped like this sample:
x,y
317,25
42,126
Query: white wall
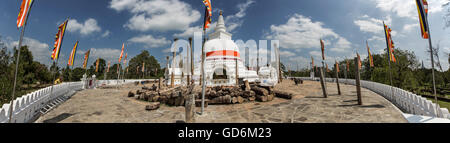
x,y
28,106
406,101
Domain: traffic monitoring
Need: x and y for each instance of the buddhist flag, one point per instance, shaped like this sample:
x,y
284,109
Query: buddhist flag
x,y
121,53
312,61
86,58
143,66
109,64
359,61
72,54
348,66
96,65
59,39
370,55
127,70
23,13
328,70
422,9
390,43
322,45
337,66
208,13
125,60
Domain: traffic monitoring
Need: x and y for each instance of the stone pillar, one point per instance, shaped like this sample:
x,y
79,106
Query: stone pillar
x,y
358,82
337,80
322,83
189,107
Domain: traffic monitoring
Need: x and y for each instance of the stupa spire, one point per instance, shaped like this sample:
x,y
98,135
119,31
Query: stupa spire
x,y
220,24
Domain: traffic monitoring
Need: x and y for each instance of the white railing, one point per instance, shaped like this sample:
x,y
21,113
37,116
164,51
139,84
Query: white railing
x,y
27,107
406,101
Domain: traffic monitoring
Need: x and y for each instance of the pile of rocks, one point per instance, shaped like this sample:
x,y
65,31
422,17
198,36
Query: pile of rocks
x,y
213,95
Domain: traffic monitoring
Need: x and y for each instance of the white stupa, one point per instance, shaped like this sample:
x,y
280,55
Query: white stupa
x,y
220,63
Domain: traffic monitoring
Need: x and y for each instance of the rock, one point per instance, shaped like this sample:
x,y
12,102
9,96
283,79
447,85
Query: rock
x,y
152,106
283,94
198,103
130,94
261,98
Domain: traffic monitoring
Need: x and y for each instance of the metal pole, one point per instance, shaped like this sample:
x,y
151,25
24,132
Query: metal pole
x,y
15,74
203,72
54,76
432,68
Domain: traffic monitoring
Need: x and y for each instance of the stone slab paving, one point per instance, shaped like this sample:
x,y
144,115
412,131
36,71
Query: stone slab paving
x,y
307,106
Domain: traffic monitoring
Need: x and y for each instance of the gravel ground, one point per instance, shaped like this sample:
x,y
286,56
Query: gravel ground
x,y
113,106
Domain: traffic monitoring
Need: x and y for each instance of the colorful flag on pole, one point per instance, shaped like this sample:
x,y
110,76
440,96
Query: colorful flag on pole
x,y
370,55
25,8
422,8
109,64
72,54
96,65
121,53
359,61
86,58
312,61
348,66
125,60
390,43
322,45
208,13
337,66
328,70
59,40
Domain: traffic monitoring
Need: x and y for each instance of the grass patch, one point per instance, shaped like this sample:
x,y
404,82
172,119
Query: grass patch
x,y
442,104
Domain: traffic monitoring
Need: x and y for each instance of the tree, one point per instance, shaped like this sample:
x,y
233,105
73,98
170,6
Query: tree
x,y
150,64
101,68
77,74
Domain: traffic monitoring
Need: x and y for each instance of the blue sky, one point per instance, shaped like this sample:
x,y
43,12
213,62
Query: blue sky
x,y
345,25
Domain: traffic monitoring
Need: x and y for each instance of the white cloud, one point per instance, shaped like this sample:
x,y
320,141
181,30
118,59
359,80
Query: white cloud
x,y
88,27
41,51
372,25
149,41
341,45
235,21
158,15
287,54
409,27
302,32
231,21
106,34
407,8
189,32
376,38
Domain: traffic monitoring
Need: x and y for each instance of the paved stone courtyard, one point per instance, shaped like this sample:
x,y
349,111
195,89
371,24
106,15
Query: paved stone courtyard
x,y
307,106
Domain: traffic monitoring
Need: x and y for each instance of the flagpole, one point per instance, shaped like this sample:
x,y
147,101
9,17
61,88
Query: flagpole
x,y
389,60
432,67
15,74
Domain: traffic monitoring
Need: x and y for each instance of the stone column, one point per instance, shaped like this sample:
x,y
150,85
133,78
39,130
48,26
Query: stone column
x,y
358,82
189,107
337,80
322,83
